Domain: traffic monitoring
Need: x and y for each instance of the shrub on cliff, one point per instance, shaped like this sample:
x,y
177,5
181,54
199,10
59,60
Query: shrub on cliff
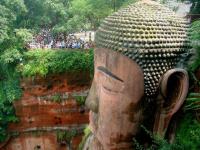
x,y
195,43
29,64
44,62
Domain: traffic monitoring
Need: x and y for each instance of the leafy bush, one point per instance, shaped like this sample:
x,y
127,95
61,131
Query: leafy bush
x,y
43,62
188,134
192,102
57,98
80,100
195,42
11,50
9,91
23,36
11,56
87,133
157,143
66,136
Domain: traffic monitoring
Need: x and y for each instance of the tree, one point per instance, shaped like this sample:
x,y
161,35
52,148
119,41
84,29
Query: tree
x,y
12,40
90,13
195,7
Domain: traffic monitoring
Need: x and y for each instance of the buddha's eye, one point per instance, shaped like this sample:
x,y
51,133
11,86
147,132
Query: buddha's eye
x,y
109,90
110,82
108,73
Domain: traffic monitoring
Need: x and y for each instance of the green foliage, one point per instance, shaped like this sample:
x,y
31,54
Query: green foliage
x,y
163,144
44,13
23,35
195,40
11,45
188,135
66,136
10,56
43,62
195,32
38,62
80,100
4,22
91,13
195,7
9,91
157,143
60,16
192,102
57,97
87,133
9,10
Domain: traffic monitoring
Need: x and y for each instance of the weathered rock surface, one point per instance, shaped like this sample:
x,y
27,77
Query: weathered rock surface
x,y
49,105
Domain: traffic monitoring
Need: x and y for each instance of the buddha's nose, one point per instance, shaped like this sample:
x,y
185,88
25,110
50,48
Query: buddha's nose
x,y
92,100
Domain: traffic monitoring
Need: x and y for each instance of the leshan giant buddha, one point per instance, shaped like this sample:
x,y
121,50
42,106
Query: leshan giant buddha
x,y
137,56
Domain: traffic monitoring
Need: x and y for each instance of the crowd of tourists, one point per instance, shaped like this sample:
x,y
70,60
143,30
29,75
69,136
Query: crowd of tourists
x,y
71,41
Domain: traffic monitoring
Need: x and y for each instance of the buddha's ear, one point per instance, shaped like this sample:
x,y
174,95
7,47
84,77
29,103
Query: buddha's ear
x,y
173,90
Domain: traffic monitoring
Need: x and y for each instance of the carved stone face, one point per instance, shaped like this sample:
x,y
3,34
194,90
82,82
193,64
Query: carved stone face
x,y
136,49
114,99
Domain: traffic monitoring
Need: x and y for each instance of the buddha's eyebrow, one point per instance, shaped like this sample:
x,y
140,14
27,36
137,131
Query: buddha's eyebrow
x,y
107,72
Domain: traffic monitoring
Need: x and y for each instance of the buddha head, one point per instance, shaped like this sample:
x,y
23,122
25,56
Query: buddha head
x,y
137,58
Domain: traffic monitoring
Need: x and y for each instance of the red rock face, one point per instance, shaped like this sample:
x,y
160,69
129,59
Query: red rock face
x,y
41,141
49,105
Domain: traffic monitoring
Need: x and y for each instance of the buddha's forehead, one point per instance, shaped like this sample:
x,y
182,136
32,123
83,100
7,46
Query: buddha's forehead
x,y
116,63
150,34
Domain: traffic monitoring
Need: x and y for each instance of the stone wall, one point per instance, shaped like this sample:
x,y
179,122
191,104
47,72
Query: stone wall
x,y
51,113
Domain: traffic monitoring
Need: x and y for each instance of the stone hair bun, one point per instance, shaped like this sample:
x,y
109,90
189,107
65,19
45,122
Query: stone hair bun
x,y
150,34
